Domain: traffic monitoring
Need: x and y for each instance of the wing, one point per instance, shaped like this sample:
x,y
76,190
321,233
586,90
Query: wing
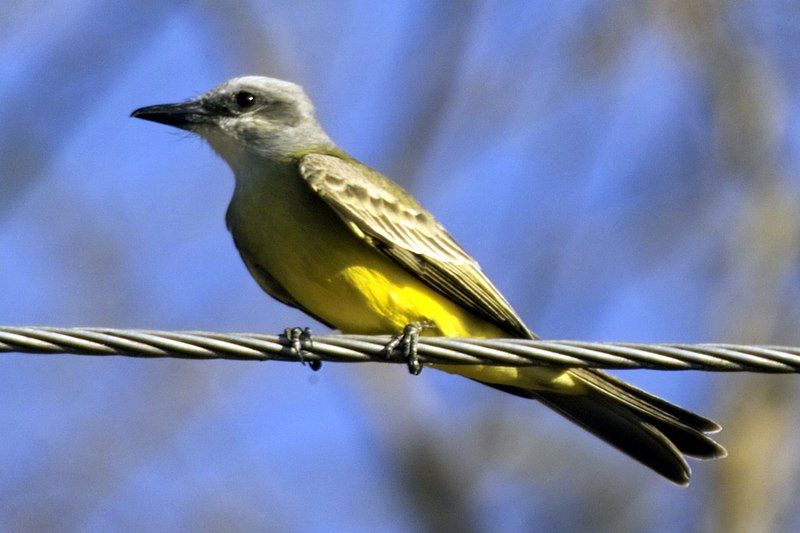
x,y
387,217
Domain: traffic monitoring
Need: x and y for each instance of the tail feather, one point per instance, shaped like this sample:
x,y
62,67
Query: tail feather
x,y
684,428
625,431
650,430
689,418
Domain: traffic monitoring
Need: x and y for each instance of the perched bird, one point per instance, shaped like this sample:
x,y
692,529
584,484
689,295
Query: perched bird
x,y
324,233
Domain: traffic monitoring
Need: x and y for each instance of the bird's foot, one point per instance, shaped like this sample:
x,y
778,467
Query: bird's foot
x,y
300,339
407,342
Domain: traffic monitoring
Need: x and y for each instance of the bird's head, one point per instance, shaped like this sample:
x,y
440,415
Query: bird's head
x,y
246,117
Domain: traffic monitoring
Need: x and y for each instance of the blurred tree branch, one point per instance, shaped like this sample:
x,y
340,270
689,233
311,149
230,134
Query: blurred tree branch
x,y
761,252
66,78
437,44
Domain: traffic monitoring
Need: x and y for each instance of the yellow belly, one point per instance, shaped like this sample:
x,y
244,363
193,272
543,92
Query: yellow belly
x,y
286,230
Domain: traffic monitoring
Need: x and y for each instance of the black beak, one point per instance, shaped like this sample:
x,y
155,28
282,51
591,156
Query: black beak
x,y
184,116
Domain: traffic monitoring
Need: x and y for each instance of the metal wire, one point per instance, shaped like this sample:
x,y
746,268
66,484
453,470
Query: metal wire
x,y
370,348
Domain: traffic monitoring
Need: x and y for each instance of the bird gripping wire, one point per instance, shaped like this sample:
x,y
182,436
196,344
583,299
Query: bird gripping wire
x,y
371,348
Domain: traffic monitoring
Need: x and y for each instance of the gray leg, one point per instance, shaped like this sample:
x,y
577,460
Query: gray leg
x,y
408,342
300,339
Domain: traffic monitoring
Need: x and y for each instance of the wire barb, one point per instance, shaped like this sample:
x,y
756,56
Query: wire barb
x,y
370,348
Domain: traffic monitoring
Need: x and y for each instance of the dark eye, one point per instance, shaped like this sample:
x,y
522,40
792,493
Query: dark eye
x,y
245,99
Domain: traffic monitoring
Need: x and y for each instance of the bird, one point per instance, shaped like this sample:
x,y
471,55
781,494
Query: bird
x,y
326,234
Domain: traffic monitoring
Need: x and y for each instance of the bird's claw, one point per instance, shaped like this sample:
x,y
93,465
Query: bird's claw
x,y
408,342
300,339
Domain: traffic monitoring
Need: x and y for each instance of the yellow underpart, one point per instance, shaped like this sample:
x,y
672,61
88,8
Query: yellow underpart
x,y
284,228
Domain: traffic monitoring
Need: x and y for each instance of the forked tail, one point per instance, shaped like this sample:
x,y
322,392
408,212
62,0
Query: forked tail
x,y
653,431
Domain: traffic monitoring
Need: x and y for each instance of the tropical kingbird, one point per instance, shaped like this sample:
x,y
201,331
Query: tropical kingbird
x,y
321,232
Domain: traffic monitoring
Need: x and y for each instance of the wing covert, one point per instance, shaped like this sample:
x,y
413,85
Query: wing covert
x,y
382,213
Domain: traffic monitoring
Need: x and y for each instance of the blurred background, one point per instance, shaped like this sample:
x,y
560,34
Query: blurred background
x,y
622,172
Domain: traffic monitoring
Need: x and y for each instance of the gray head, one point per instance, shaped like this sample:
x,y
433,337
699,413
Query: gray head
x,y
247,117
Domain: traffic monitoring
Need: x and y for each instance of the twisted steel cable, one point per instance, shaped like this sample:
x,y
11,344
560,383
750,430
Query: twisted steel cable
x,y
370,348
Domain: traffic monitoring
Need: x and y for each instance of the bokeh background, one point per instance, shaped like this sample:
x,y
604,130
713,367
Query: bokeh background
x,y
623,172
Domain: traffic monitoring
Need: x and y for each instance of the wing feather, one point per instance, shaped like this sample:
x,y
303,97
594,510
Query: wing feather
x,y
391,220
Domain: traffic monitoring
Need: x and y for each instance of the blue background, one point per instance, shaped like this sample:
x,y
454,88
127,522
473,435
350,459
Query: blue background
x,y
622,173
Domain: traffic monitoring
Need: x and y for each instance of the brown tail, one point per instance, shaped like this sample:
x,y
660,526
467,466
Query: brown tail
x,y
645,427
